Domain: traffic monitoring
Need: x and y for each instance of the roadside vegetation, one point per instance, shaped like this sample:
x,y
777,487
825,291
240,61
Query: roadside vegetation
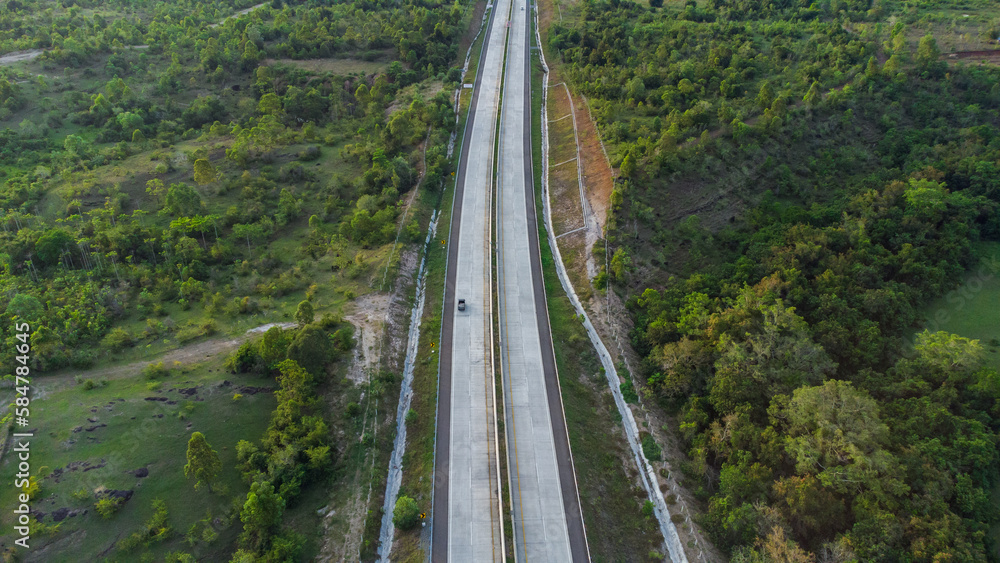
x,y
619,527
798,181
183,171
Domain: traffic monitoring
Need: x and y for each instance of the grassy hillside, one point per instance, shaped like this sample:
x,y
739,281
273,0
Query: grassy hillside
x,y
172,175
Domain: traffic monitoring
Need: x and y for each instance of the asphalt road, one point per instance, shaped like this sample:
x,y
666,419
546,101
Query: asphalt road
x,y
548,524
466,516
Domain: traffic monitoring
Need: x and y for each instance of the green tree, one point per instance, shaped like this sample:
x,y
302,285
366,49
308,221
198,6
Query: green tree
x,y
406,514
635,89
203,462
767,350
261,515
812,97
892,66
52,244
183,200
251,56
765,97
270,104
835,432
311,349
101,109
129,121
871,70
304,313
156,188
927,52
948,352
25,307
628,166
117,90
621,261
204,172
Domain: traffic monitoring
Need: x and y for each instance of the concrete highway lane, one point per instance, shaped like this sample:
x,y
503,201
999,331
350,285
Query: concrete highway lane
x,y
466,521
548,524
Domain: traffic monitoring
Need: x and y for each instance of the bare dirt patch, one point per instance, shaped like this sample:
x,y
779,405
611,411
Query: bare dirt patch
x,y
238,14
369,322
184,355
598,177
18,56
333,66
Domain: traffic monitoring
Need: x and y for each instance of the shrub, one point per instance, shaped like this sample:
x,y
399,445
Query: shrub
x,y
156,530
343,339
310,153
406,514
651,449
628,391
118,339
108,506
352,410
155,371
246,359
89,384
83,359
647,509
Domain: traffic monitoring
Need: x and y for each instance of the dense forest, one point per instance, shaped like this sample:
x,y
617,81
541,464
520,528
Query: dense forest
x,y
797,181
174,170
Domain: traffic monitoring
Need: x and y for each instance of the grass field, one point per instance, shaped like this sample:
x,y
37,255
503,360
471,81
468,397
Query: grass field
x,y
98,438
972,309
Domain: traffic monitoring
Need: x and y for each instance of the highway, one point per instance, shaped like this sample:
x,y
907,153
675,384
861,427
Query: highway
x,y
548,524
543,503
466,519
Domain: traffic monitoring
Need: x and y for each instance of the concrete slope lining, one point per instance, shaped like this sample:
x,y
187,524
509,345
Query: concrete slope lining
x,y
395,474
